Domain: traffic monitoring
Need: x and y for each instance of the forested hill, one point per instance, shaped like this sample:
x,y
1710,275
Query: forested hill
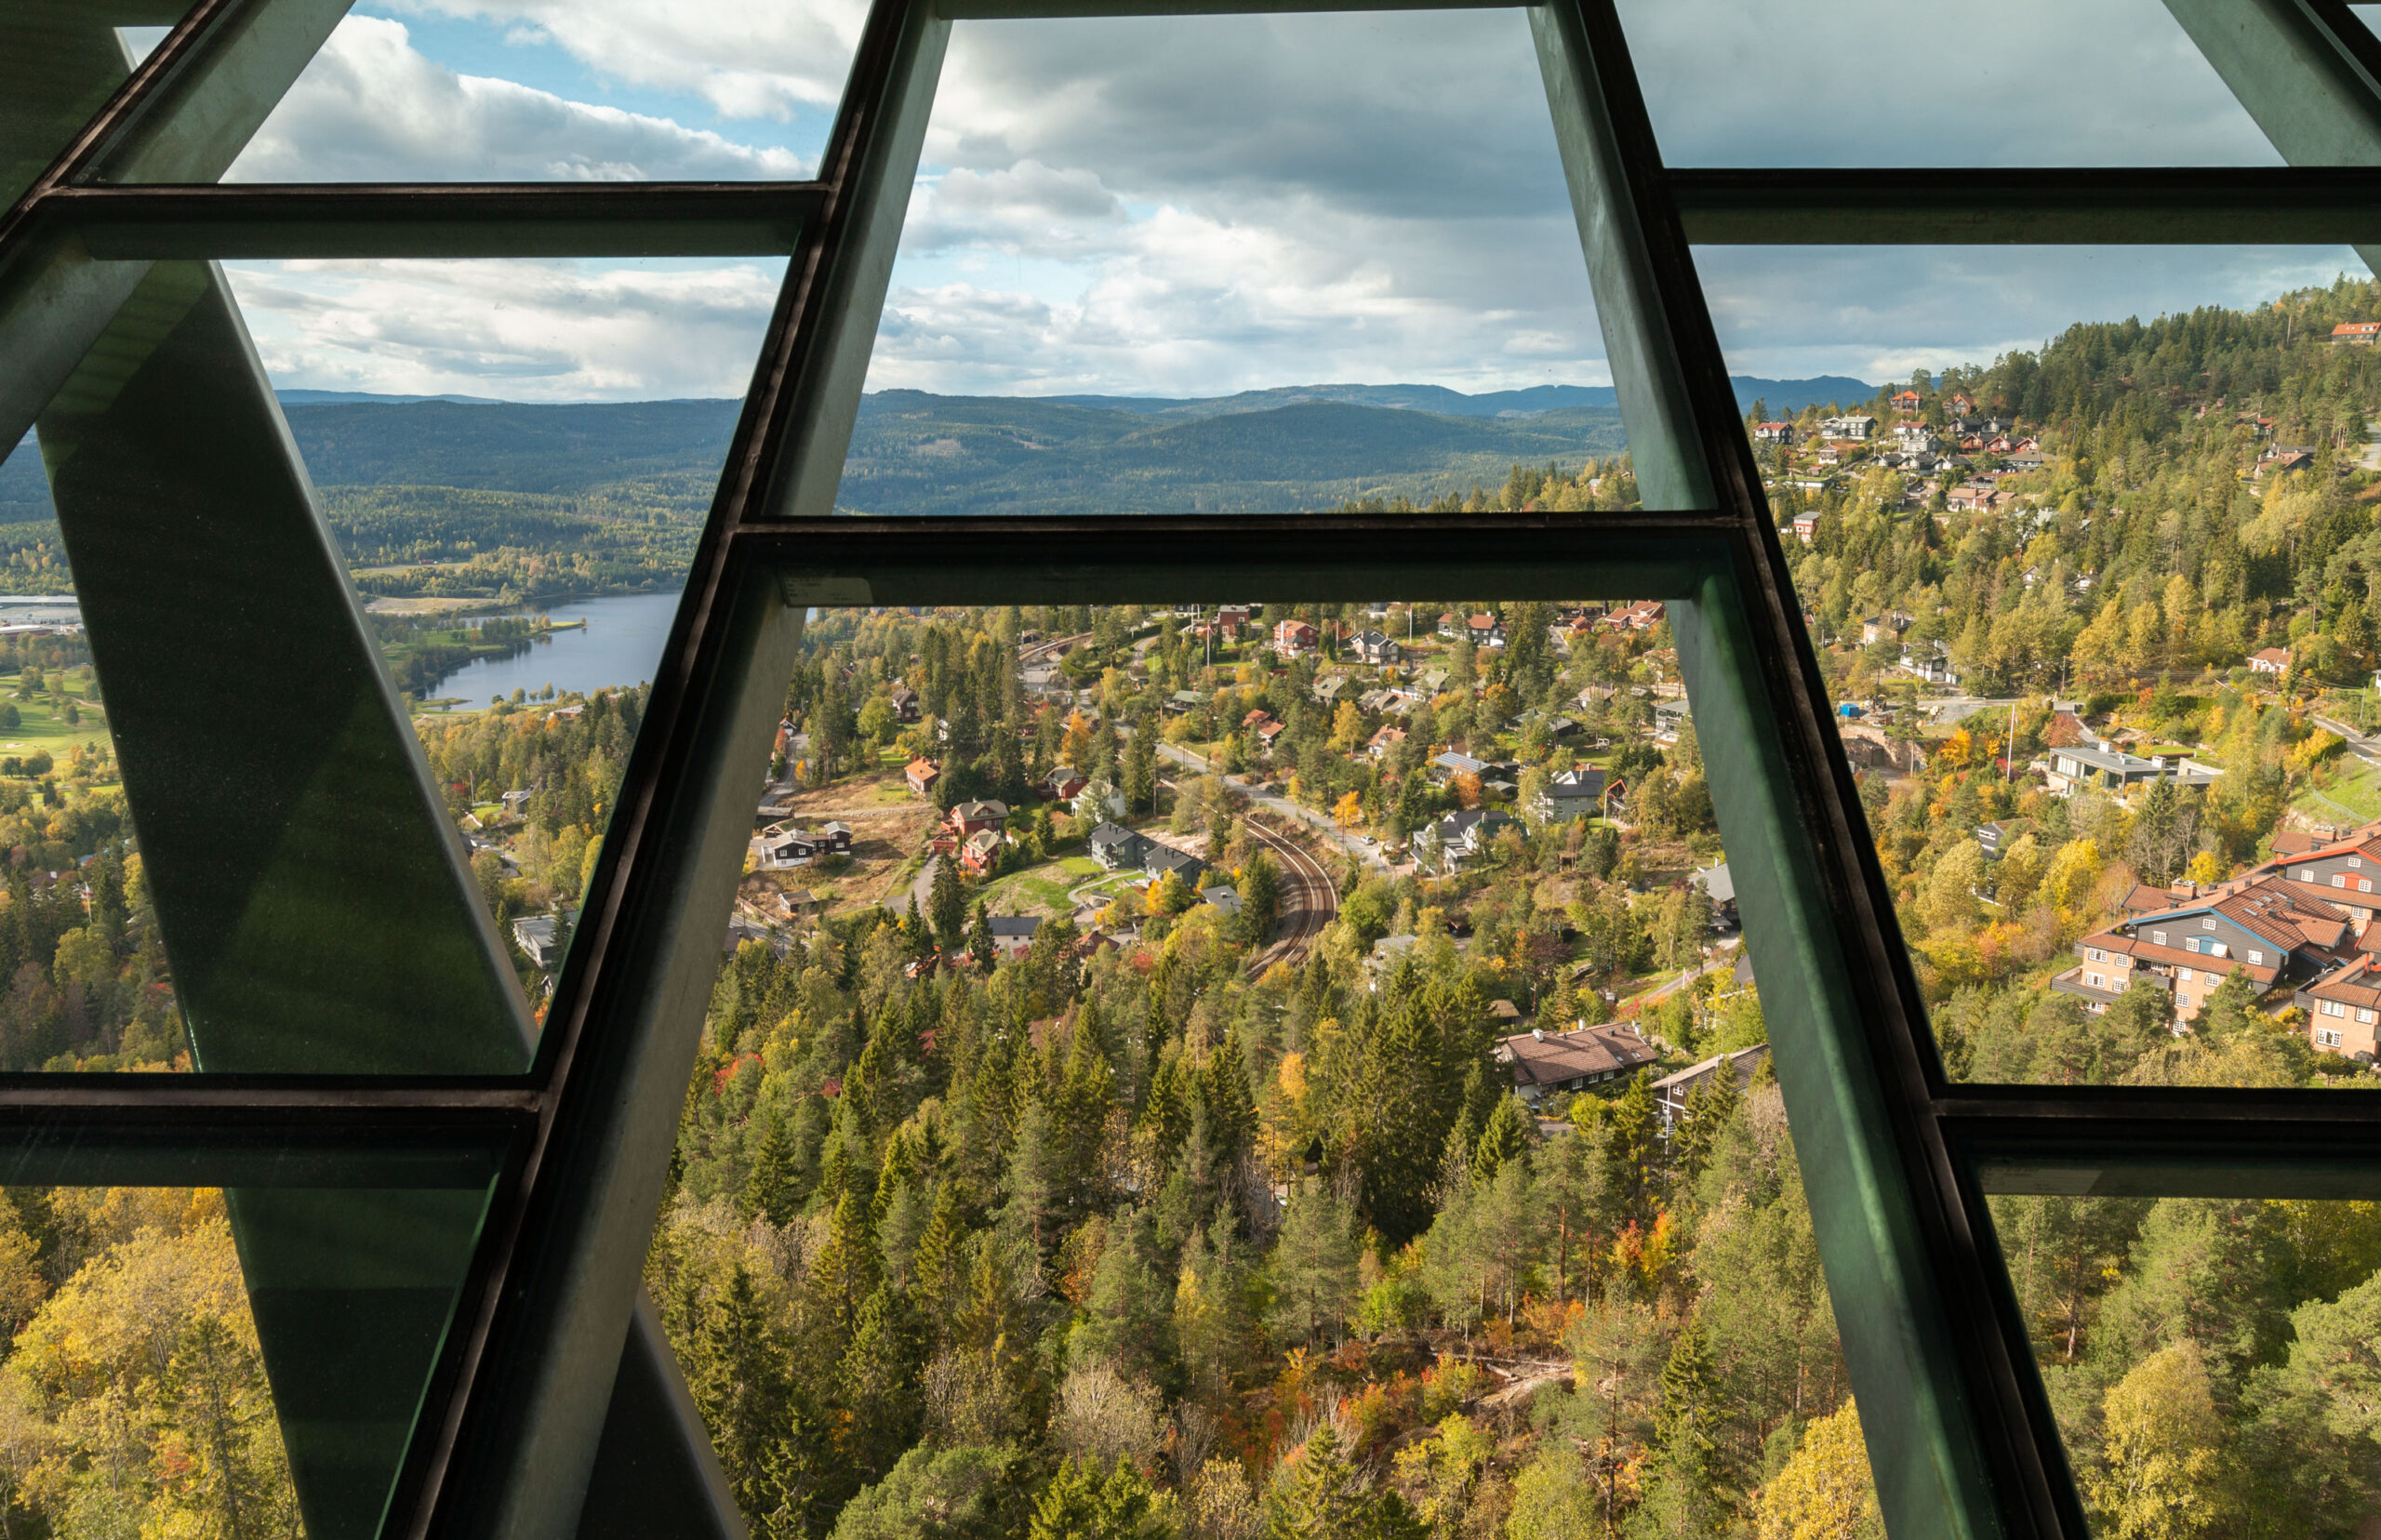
x,y
913,453
2156,536
1288,447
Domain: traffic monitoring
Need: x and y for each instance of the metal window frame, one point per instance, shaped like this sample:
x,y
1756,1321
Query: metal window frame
x,y
552,1360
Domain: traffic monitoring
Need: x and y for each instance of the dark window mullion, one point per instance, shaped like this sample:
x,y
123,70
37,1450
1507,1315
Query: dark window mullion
x,y
1949,1451
351,221
1997,205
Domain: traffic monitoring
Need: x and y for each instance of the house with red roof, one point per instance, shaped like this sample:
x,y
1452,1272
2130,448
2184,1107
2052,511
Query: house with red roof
x,y
2274,930
2340,873
2344,1009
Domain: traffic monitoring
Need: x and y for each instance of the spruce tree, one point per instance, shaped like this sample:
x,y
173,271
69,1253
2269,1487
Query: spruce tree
x,y
1319,1495
1508,1136
1140,768
946,905
1629,1152
979,940
769,1191
1685,1498
844,1272
1079,1504
1230,1112
877,1386
740,1379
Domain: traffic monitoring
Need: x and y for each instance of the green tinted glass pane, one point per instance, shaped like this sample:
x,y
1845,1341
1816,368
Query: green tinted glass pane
x,y
2205,1357
250,1356
2139,549
59,61
1283,290
396,820
2125,85
516,488
1352,946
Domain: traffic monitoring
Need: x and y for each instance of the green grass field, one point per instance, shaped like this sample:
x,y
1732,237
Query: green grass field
x,y
2354,792
42,726
1046,887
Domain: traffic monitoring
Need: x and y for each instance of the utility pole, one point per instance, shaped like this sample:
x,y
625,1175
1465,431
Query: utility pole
x,y
2009,755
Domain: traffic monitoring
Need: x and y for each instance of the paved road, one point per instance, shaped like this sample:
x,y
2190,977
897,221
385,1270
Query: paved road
x,y
2363,748
922,889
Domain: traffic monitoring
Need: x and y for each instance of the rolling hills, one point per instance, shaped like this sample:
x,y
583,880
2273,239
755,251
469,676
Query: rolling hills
x,y
401,477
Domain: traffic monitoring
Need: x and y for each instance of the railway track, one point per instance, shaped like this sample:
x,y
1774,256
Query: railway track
x,y
1310,899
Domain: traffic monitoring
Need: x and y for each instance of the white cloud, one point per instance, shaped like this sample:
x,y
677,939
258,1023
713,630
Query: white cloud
x,y
1897,83
1237,202
1183,205
370,108
748,60
1878,312
520,330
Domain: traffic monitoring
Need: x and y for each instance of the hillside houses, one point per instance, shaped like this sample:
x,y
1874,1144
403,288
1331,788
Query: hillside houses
x,y
1121,849
2258,924
1543,1063
1570,795
2105,767
1670,1093
782,846
1484,631
2340,873
1457,838
1294,638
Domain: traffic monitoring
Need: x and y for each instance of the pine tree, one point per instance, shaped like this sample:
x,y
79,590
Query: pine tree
x,y
1314,1265
1508,1136
979,940
769,1191
947,906
1319,1496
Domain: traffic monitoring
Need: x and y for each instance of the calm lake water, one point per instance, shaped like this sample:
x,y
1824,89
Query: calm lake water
x,y
619,644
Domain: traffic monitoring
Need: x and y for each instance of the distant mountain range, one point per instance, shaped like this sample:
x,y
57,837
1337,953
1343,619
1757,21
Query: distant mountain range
x,y
1292,447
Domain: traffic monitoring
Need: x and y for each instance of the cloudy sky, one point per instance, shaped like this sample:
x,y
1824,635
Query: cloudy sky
x,y
1181,206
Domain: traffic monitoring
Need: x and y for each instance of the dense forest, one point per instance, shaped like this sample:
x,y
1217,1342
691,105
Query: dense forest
x,y
1132,1236
2144,543
1172,1249
1075,1250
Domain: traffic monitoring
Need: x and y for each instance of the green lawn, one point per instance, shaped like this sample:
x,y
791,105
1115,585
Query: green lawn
x,y
41,726
1044,888
2354,792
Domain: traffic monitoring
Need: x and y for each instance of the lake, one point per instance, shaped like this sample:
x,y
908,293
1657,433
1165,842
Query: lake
x,y
619,644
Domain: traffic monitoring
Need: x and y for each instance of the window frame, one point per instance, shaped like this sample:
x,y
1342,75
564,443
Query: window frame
x,y
1900,1160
